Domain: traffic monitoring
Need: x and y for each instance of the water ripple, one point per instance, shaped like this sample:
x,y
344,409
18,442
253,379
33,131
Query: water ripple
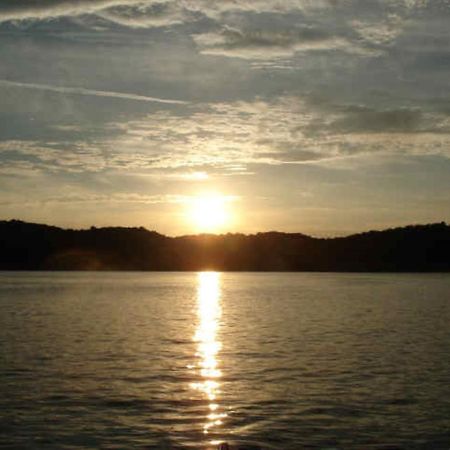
x,y
273,361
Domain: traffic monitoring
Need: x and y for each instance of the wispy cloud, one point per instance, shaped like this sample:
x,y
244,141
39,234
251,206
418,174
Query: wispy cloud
x,y
148,15
125,11
263,44
89,92
231,138
118,197
30,9
105,198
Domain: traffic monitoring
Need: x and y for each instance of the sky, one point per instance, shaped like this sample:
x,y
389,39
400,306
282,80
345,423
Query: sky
x,y
326,117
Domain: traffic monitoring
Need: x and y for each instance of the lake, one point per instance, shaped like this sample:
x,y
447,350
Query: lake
x,y
259,360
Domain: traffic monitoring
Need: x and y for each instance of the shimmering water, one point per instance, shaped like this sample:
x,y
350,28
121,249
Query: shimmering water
x,y
270,361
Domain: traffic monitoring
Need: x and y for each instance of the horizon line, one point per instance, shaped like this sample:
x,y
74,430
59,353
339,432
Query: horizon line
x,y
137,227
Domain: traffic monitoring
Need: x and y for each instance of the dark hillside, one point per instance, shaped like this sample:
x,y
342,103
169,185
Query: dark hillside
x,y
27,246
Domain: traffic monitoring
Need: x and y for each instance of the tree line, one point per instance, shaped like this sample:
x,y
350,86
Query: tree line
x,y
28,246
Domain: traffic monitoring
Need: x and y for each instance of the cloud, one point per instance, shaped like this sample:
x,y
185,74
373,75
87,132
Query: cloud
x,y
262,44
89,92
257,30
126,198
149,13
366,120
233,138
128,11
380,32
46,9
354,119
146,15
286,130
20,156
89,197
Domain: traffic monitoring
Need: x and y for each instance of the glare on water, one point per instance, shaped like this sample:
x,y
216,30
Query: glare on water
x,y
273,361
208,345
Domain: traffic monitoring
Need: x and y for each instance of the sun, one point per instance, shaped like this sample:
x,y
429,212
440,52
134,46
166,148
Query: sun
x,y
210,212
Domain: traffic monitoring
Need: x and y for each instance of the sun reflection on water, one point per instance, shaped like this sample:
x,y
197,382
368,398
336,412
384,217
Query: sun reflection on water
x,y
208,346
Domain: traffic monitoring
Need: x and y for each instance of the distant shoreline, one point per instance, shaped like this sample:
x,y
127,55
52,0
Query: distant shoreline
x,y
34,247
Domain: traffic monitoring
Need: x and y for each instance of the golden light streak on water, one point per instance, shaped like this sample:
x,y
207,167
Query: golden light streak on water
x,y
208,346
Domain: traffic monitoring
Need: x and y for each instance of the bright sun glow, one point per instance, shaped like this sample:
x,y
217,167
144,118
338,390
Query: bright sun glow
x,y
208,348
210,212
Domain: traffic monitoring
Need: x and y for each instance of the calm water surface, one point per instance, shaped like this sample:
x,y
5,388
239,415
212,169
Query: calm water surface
x,y
262,361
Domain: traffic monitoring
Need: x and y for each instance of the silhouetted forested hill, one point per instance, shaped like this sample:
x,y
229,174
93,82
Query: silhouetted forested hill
x,y
26,246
